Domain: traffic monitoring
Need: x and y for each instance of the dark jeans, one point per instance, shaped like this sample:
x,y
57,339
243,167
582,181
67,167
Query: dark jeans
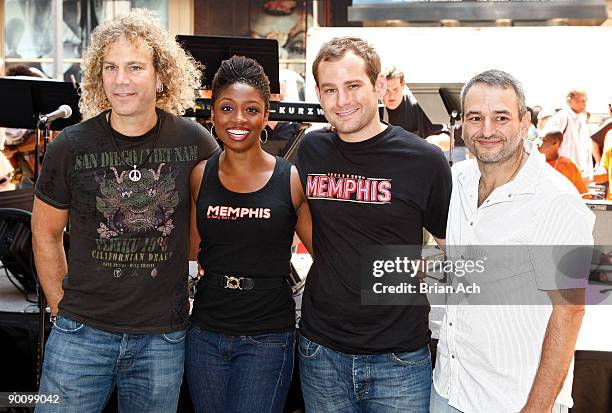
x,y
83,364
380,383
234,374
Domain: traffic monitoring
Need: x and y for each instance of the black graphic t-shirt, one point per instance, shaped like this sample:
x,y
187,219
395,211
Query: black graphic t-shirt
x,y
129,239
381,191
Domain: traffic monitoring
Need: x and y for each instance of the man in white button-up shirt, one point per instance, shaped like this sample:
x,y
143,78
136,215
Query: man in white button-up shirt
x,y
577,144
510,358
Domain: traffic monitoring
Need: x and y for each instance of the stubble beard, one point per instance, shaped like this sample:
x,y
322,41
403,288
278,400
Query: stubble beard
x,y
356,125
503,155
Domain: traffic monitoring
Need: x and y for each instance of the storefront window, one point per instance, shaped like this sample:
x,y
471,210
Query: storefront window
x,y
29,29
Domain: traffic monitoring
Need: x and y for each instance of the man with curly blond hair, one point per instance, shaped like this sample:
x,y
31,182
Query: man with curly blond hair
x,y
119,302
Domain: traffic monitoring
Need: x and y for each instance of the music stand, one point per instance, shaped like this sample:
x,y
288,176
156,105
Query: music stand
x,y
441,102
210,51
27,99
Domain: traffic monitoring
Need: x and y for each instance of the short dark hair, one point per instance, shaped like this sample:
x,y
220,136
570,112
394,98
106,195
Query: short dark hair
x,y
556,135
500,79
20,70
572,93
241,69
337,47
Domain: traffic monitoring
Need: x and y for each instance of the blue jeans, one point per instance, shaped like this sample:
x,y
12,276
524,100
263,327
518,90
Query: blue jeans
x,y
233,374
379,383
83,364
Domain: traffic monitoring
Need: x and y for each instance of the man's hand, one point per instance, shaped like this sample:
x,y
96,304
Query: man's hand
x,y
54,309
201,272
329,127
441,242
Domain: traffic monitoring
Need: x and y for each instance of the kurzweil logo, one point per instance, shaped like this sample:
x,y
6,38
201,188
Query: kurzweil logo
x,y
349,188
225,212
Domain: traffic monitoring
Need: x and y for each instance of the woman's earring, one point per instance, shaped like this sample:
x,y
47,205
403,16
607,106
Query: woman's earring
x,y
265,140
212,131
160,88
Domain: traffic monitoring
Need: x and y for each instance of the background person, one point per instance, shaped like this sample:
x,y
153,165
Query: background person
x,y
572,121
401,108
20,144
550,149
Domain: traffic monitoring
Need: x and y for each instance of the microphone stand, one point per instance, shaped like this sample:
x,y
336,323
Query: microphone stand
x,y
29,99
43,128
454,125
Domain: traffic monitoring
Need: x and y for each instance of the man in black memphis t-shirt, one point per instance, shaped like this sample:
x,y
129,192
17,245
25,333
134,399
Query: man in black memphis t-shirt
x,y
122,178
368,184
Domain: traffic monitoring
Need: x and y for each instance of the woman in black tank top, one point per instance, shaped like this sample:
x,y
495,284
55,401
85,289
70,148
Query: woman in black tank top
x,y
246,206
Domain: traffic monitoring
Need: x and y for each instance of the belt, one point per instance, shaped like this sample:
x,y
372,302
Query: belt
x,y
236,282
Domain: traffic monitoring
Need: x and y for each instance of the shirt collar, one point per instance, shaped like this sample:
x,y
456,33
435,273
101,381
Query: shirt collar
x,y
523,183
573,115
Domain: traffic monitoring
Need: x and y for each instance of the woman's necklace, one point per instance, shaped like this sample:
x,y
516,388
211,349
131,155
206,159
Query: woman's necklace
x,y
134,174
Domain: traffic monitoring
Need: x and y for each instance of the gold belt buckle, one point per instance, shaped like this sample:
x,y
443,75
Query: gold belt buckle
x,y
233,283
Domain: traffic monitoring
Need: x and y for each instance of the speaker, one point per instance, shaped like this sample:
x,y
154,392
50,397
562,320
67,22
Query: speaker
x,y
16,247
602,233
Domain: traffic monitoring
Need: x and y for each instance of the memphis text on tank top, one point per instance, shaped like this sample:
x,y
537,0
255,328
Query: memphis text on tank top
x,y
348,188
230,213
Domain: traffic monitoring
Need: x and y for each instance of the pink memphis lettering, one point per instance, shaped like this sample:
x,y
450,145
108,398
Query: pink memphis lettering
x,y
349,188
226,212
